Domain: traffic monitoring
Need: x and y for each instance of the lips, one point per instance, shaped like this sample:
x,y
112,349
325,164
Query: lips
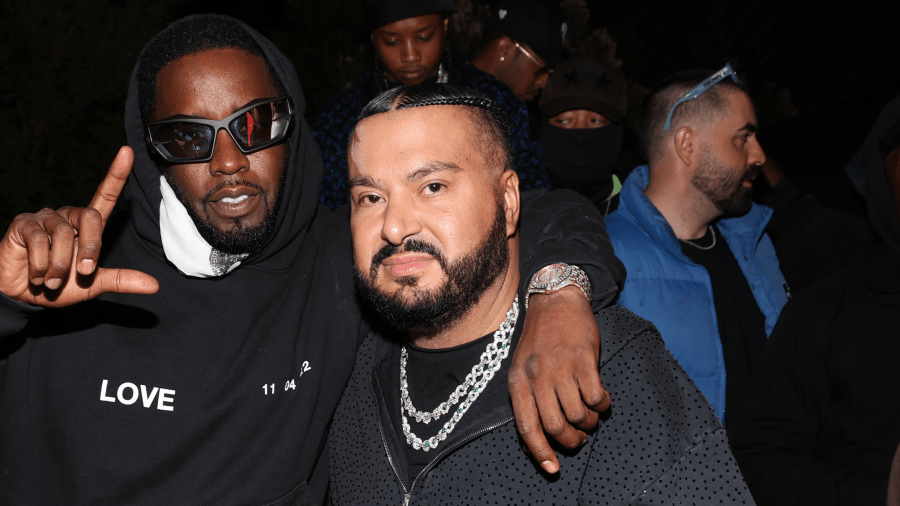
x,y
235,201
407,264
411,73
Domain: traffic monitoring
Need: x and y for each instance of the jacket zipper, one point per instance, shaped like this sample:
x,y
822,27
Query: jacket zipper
x,y
468,437
465,439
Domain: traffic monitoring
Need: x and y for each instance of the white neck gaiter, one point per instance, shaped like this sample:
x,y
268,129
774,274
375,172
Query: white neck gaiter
x,y
183,244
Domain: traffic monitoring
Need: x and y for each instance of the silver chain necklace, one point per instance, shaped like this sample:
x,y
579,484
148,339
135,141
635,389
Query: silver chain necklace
x,y
704,248
477,380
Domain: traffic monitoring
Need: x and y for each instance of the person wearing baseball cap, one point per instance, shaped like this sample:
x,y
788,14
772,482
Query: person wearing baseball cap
x,y
584,104
523,42
409,38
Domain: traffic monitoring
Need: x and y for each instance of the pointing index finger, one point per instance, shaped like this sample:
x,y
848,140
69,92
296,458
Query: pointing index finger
x,y
108,192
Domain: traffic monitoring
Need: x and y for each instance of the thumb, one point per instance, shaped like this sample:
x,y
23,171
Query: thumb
x,y
123,281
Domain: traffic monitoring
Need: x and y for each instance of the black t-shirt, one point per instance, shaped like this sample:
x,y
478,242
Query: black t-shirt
x,y
432,375
742,326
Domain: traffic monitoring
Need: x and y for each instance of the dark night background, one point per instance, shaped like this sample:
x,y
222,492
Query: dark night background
x,y
818,72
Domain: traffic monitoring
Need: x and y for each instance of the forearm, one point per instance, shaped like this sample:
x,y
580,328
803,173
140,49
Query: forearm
x,y
564,227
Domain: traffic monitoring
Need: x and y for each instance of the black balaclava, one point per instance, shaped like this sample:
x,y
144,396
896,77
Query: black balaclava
x,y
582,159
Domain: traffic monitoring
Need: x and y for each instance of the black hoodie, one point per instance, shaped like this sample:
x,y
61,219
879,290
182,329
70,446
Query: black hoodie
x,y
820,420
217,390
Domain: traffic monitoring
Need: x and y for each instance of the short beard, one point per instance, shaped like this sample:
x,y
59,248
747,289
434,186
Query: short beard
x,y
241,239
723,186
433,310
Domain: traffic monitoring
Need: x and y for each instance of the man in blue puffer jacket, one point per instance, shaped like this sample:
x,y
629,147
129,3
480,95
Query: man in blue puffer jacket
x,y
700,265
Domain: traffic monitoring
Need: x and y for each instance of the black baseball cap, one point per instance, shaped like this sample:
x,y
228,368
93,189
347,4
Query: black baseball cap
x,y
378,13
539,23
585,83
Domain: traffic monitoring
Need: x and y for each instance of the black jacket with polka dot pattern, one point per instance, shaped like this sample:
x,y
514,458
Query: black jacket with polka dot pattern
x,y
659,443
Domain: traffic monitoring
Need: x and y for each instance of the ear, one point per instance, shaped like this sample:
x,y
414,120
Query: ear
x,y
446,24
506,48
687,145
509,185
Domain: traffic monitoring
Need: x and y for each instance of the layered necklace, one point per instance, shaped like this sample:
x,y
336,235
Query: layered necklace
x,y
476,380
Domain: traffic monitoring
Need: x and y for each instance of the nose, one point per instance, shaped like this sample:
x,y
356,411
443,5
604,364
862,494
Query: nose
x,y
227,158
400,222
541,80
756,155
410,52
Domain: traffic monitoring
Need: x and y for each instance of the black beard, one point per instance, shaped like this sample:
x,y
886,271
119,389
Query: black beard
x,y
723,189
432,310
241,239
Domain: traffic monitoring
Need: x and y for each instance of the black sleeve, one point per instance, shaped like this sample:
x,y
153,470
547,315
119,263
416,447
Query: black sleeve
x,y
14,315
784,406
563,227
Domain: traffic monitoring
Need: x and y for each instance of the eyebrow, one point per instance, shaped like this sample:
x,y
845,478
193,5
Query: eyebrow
x,y
749,128
424,170
417,31
429,168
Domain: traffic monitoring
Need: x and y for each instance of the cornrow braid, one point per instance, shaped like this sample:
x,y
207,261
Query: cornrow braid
x,y
492,124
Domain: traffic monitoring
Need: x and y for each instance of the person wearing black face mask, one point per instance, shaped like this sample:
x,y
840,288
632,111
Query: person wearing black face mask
x,y
584,104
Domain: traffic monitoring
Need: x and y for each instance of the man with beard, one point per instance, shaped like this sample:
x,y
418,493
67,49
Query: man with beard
x,y
435,221
220,387
700,265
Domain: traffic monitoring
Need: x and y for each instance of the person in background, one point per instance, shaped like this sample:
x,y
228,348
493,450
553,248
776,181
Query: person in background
x,y
584,104
813,241
410,42
700,265
820,420
522,43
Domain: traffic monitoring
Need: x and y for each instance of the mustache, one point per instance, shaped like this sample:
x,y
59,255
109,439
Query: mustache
x,y
410,246
752,172
226,184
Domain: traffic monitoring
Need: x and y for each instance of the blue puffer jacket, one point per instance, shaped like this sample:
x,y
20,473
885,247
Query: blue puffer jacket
x,y
670,290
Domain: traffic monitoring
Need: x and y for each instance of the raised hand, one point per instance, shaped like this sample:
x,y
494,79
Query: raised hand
x,y
50,258
554,379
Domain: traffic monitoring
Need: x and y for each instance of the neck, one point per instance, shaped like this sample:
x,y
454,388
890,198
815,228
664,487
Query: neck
x,y
486,61
482,319
685,208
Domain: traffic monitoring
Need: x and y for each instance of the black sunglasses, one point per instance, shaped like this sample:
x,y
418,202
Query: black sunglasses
x,y
262,123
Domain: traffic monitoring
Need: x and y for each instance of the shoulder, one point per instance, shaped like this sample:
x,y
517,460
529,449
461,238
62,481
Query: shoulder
x,y
494,88
343,107
622,328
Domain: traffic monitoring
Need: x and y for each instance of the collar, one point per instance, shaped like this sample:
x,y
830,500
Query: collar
x,y
742,233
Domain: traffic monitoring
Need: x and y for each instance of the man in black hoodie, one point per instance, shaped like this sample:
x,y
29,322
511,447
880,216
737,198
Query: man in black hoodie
x,y
219,388
820,419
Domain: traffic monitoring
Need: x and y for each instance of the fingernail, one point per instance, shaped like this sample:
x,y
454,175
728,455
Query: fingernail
x,y
37,281
550,467
53,283
87,265
583,441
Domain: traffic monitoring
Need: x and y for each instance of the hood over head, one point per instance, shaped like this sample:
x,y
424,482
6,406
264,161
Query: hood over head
x,y
303,171
869,160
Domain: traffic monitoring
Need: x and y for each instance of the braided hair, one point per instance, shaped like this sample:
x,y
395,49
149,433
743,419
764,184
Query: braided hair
x,y
493,132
